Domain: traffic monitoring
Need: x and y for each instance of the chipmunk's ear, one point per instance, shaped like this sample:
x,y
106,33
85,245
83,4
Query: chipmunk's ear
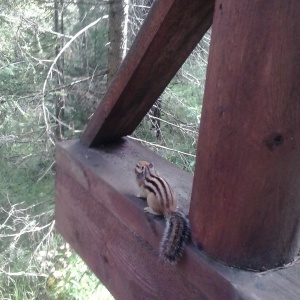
x,y
139,168
152,169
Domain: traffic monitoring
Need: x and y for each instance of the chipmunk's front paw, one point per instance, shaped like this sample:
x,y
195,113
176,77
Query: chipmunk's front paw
x,y
141,196
151,211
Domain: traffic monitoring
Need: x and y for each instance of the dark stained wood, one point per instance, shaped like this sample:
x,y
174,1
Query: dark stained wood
x,y
245,207
126,264
89,181
97,213
168,35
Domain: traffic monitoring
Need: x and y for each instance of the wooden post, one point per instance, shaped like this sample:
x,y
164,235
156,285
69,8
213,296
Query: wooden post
x,y
245,207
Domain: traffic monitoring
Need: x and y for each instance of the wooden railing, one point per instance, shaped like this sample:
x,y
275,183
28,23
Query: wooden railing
x,y
245,206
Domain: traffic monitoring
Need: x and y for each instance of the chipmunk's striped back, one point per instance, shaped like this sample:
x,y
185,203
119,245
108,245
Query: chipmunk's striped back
x,y
161,189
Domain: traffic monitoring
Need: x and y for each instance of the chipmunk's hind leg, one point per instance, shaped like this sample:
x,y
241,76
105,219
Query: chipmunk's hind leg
x,y
154,205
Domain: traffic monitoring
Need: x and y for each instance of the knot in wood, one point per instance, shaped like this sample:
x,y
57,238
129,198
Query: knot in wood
x,y
274,140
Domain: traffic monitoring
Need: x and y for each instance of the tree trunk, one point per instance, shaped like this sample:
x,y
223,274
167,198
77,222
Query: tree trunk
x,y
118,14
59,98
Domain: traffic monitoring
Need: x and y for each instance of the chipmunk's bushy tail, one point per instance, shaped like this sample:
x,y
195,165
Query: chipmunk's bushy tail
x,y
176,235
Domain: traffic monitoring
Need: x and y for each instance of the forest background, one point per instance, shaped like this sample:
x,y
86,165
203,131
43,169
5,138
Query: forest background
x,y
57,59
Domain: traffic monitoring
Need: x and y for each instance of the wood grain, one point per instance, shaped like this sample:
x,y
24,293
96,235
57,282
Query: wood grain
x,y
168,35
95,200
245,206
126,264
97,212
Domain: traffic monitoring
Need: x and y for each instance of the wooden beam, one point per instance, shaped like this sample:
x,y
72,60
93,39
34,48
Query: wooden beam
x,y
126,264
245,206
97,213
168,35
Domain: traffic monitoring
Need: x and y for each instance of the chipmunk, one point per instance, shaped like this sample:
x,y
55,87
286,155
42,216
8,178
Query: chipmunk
x,y
161,201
